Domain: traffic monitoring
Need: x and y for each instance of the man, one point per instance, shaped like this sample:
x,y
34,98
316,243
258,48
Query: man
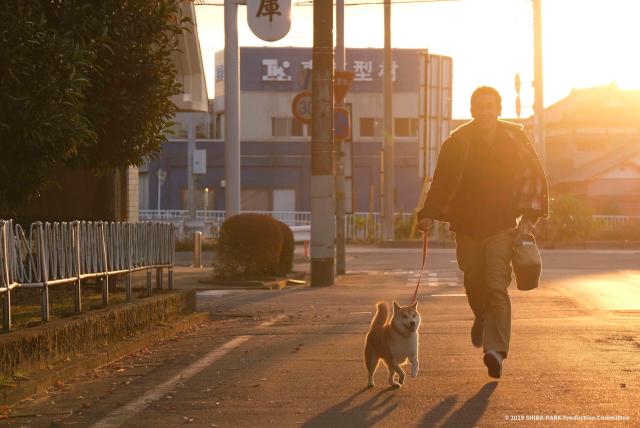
x,y
487,177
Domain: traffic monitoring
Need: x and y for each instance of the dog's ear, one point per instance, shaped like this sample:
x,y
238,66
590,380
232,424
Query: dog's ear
x,y
396,306
414,305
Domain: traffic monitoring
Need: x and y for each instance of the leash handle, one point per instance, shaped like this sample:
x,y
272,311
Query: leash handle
x,y
425,248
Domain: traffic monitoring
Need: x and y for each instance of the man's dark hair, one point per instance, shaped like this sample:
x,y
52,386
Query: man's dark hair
x,y
487,90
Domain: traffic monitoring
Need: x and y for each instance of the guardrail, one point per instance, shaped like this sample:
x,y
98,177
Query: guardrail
x,y
617,220
53,254
360,226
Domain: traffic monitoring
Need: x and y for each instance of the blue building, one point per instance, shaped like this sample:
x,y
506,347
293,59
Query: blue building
x,y
276,148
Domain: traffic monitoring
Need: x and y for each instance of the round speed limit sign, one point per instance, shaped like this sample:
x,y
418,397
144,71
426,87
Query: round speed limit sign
x,y
301,107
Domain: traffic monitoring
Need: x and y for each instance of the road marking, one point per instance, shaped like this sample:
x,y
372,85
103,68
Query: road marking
x,y
123,414
449,295
207,293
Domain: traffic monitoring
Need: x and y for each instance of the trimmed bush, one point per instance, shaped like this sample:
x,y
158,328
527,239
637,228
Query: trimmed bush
x,y
249,245
286,253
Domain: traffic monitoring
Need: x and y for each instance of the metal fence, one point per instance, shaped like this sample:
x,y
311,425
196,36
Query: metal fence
x,y
613,221
51,254
361,226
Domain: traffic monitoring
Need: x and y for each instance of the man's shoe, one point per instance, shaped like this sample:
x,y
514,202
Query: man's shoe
x,y
493,361
477,332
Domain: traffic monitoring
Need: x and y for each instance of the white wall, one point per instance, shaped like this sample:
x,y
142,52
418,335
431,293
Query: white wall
x,y
257,109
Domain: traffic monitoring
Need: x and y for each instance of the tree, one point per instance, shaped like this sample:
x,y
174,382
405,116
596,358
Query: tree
x,y
85,83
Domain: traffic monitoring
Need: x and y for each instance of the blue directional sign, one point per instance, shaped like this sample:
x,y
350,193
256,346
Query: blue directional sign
x,y
341,124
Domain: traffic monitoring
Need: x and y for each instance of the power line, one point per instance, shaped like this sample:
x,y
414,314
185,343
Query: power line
x,y
358,3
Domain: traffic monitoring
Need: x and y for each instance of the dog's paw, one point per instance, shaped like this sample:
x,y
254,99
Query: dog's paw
x,y
395,384
414,373
370,385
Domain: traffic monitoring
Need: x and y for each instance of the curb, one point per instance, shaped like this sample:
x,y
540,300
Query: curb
x,y
45,379
292,279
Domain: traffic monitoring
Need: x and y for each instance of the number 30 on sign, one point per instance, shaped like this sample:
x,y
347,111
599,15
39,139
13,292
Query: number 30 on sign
x,y
301,107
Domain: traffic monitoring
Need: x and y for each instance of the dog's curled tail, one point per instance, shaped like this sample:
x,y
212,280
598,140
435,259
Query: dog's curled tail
x,y
382,314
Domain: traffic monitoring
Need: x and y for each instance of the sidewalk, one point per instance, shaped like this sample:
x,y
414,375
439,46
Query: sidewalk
x,y
294,358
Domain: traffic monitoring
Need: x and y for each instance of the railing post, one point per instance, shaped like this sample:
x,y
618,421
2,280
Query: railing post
x,y
172,247
128,229
6,278
44,292
197,250
78,285
105,265
149,290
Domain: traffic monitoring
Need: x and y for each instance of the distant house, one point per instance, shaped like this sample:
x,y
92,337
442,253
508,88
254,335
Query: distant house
x,y
592,145
593,148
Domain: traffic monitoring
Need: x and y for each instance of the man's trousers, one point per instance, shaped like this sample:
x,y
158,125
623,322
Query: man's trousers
x,y
486,263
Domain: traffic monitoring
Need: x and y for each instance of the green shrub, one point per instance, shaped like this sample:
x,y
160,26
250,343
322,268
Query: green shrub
x,y
249,245
569,219
286,253
402,227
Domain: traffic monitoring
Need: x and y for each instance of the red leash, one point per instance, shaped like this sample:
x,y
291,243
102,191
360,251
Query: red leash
x,y
425,247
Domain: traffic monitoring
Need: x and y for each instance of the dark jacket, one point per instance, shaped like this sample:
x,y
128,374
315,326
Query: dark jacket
x,y
530,193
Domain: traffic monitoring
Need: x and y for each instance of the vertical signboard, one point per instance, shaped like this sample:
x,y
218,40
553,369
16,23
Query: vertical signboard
x,y
434,109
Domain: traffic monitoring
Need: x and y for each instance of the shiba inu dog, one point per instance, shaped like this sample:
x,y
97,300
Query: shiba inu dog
x,y
394,341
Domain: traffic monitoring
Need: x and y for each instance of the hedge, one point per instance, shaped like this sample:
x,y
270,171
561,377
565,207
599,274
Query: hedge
x,y
253,245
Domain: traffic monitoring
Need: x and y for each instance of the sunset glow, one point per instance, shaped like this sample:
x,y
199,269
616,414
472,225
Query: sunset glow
x,y
586,42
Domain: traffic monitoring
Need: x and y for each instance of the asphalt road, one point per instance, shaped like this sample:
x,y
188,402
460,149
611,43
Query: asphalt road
x,y
294,357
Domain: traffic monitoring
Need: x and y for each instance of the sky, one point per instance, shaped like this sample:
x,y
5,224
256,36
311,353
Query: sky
x,y
585,42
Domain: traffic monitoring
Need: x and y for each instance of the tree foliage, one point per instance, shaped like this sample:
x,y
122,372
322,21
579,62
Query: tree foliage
x,y
85,83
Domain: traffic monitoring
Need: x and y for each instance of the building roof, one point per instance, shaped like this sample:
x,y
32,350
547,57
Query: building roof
x,y
189,68
622,156
599,103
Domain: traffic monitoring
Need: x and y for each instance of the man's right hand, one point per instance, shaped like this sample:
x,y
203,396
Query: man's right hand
x,y
425,224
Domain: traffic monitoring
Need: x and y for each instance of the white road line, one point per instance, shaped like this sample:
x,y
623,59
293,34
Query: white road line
x,y
449,295
123,414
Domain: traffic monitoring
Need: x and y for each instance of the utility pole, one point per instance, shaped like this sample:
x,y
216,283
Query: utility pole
x,y
538,104
231,109
341,267
323,228
387,97
191,146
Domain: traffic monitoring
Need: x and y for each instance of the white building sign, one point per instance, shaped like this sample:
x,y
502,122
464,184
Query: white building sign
x,y
269,20
275,72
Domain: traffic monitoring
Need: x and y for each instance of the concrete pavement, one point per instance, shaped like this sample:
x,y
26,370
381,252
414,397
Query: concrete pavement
x,y
294,357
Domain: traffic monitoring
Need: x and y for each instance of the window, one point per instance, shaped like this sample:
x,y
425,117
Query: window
x,y
255,200
286,127
406,127
370,127
367,126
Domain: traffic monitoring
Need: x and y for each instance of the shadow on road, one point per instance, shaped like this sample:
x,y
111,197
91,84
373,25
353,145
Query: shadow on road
x,y
467,415
366,414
